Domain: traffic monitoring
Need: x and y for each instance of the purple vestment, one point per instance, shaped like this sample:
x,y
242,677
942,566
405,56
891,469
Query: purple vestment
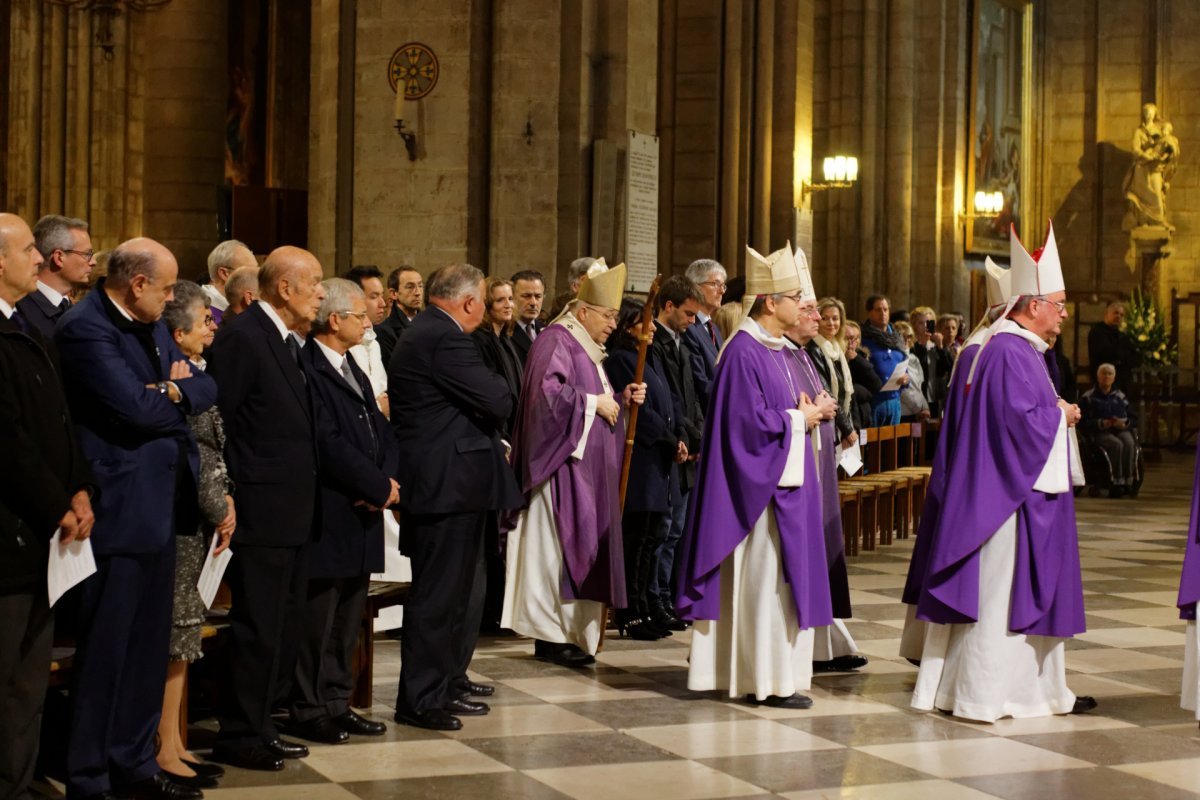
x,y
747,437
1008,424
931,510
1189,581
831,500
559,375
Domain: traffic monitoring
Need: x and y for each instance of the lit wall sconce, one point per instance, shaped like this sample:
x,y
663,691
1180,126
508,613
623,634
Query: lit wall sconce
x,y
988,205
840,172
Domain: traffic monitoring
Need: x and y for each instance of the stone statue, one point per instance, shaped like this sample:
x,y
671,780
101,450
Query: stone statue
x,y
1155,157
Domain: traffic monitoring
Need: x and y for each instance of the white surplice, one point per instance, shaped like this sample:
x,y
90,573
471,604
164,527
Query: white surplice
x,y
534,563
1190,697
396,568
981,670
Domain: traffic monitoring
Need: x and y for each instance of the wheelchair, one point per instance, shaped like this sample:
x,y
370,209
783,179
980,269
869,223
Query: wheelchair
x,y
1098,469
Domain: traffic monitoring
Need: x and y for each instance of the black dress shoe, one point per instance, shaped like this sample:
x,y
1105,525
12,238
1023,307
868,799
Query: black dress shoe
x,y
474,689
196,781
1083,703
840,664
351,722
322,730
286,749
774,701
257,757
462,707
205,768
160,787
435,719
566,655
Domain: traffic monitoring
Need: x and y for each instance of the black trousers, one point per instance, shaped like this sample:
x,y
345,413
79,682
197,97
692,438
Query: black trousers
x,y
26,631
441,618
268,587
642,535
120,670
324,675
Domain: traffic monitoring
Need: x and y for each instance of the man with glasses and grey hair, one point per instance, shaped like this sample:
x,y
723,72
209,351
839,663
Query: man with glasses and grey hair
x,y
67,263
223,261
702,337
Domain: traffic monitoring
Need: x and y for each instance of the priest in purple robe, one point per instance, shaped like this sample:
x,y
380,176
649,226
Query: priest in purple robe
x,y
999,290
1189,595
834,649
1002,580
564,562
752,568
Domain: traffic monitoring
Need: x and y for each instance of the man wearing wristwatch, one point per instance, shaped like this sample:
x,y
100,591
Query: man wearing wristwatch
x,y
130,389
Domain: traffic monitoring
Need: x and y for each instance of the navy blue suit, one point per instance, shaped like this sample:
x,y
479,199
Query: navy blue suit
x,y
699,340
139,447
359,456
41,313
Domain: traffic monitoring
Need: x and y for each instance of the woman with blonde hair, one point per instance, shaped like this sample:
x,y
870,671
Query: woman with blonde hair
x,y
831,341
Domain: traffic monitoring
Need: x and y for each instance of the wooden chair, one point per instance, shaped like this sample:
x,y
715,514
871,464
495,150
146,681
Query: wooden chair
x,y
380,595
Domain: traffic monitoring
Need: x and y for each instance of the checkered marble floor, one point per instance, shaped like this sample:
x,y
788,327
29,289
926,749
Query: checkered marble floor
x,y
630,729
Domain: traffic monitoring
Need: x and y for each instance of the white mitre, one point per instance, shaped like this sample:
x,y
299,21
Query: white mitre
x,y
999,283
773,274
807,292
1035,275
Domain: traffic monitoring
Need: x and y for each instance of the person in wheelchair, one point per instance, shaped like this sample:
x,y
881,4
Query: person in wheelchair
x,y
1108,423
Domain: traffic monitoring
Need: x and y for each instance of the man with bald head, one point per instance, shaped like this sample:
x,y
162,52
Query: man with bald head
x,y
43,486
130,391
271,453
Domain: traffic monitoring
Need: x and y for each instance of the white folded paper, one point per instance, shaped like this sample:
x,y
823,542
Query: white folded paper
x,y
850,459
893,383
70,565
212,572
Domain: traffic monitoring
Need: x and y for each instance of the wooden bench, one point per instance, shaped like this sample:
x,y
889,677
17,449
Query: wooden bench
x,y
380,595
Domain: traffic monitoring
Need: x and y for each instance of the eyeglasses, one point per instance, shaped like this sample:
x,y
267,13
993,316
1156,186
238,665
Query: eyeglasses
x,y
1060,304
209,320
795,298
86,255
362,315
715,284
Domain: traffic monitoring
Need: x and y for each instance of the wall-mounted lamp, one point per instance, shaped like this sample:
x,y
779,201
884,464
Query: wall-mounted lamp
x,y
105,12
841,172
987,206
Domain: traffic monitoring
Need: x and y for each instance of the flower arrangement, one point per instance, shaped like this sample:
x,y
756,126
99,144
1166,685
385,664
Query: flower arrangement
x,y
1145,328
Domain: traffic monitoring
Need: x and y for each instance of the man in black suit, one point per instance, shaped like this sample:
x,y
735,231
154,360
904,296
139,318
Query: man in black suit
x,y
453,471
1108,344
702,337
67,263
405,289
358,459
529,290
130,390
271,453
44,485
679,301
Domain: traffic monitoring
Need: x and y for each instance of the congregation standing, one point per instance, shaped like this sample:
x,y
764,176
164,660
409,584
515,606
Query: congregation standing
x,y
321,427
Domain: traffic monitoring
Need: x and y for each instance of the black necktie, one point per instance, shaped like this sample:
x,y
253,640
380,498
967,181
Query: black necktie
x,y
293,347
64,305
19,320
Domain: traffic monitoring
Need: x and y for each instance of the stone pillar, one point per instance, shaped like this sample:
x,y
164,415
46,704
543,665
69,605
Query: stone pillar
x,y
898,177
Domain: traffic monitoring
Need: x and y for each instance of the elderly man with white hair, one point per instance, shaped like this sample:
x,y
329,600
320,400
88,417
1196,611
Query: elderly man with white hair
x,y
702,337
223,261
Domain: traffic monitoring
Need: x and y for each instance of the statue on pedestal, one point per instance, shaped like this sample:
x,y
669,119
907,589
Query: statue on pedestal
x,y
1155,157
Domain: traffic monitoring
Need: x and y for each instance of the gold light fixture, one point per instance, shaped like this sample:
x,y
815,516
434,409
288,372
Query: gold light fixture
x,y
840,172
988,205
105,11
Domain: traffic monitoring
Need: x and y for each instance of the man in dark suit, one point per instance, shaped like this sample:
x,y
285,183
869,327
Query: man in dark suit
x,y
702,337
405,289
358,459
67,263
679,302
271,453
529,290
453,472
1108,344
44,485
130,389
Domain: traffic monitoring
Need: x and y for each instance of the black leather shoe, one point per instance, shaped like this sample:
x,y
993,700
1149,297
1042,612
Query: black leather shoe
x,y
160,787
462,707
286,749
566,655
322,730
196,781
351,722
774,701
257,757
206,769
474,689
1083,704
840,664
435,719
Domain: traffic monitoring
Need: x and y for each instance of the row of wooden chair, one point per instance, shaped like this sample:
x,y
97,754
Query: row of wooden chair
x,y
883,500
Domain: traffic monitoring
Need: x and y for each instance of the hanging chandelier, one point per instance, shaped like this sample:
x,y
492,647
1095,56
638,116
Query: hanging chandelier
x,y
104,12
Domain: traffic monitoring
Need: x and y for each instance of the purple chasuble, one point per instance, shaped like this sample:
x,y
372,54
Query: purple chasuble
x,y
1189,581
1009,420
747,436
931,510
559,375
831,500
